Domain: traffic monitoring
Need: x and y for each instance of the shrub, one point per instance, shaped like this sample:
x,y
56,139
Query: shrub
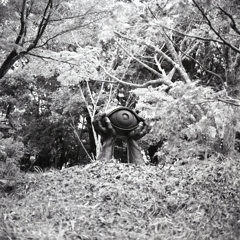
x,y
14,150
193,119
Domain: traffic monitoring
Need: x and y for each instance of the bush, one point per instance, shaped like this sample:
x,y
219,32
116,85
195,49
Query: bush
x,y
14,150
192,118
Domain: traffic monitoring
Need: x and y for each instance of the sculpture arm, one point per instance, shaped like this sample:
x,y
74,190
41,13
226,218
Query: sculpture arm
x,y
107,150
103,126
134,151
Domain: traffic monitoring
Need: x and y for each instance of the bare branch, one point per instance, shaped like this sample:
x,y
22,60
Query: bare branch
x,y
109,97
90,93
80,141
158,81
178,66
190,48
124,37
159,65
175,65
103,81
171,49
214,30
233,24
85,101
139,61
43,24
192,36
230,101
23,23
66,31
186,55
98,98
77,16
53,59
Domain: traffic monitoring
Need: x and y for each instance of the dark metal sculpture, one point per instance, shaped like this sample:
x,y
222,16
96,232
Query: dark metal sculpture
x,y
124,123
123,120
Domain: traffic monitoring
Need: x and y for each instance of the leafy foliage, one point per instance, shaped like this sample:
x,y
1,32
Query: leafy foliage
x,y
11,151
51,94
191,119
72,72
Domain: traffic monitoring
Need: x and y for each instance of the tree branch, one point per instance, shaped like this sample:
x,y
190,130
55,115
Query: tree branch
x,y
192,36
50,58
158,81
159,66
77,16
139,61
175,65
22,22
186,55
214,30
178,66
65,31
229,101
233,24
74,128
42,26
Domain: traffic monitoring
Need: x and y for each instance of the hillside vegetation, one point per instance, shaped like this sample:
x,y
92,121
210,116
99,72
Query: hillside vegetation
x,y
189,199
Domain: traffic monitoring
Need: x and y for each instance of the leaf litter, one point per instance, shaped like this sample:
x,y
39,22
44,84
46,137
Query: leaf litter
x,y
110,200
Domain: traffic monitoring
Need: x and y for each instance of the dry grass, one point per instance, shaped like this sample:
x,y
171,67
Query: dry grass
x,y
107,200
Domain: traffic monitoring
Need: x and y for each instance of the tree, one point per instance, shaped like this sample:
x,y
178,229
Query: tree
x,y
88,57
164,45
38,24
43,34
190,121
205,47
15,54
222,25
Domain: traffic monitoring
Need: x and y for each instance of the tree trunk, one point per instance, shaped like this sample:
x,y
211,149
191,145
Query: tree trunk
x,y
8,63
92,142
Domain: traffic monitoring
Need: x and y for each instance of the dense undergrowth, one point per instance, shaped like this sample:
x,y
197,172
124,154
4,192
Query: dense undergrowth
x,y
189,199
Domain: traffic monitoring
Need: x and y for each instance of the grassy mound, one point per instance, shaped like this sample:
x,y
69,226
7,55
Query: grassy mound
x,y
108,200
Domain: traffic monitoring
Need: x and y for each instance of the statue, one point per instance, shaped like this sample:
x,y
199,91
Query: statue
x,y
124,123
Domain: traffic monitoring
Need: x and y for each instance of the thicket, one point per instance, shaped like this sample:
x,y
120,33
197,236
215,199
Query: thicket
x,y
189,120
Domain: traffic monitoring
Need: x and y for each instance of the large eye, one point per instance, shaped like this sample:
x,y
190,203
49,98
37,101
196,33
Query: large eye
x,y
123,118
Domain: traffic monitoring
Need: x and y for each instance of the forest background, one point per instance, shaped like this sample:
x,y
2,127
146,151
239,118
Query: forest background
x,y
62,62
174,62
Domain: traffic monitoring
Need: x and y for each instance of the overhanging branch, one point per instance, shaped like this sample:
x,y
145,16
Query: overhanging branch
x,y
166,57
214,30
233,24
139,61
158,81
176,65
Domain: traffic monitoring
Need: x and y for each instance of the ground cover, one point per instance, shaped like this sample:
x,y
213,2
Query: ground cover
x,y
189,199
